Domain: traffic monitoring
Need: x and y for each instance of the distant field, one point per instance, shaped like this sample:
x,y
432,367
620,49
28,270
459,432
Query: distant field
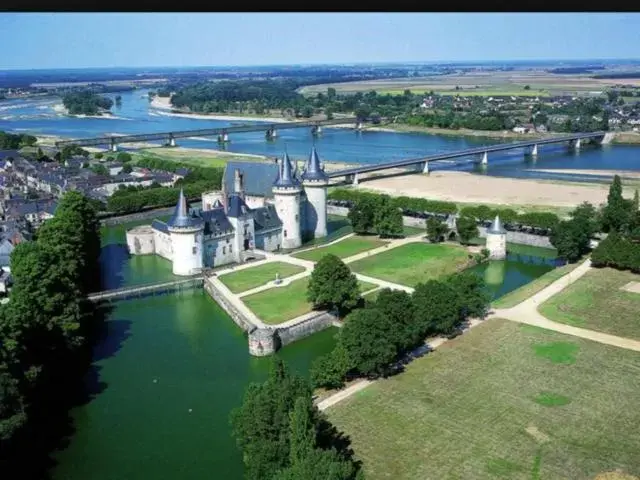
x,y
197,158
279,304
343,249
412,263
503,401
472,93
249,278
595,301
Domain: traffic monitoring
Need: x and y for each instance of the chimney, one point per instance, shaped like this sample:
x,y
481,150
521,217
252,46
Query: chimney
x,y
225,197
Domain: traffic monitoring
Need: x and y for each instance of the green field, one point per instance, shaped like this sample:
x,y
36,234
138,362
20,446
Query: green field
x,y
192,157
518,295
596,302
471,92
503,401
343,249
413,263
279,304
249,278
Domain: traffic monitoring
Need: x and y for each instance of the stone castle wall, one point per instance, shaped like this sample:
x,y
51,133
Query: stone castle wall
x,y
243,322
512,237
306,327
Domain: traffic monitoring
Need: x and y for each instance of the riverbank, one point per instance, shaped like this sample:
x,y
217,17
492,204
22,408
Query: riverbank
x,y
62,110
464,187
608,173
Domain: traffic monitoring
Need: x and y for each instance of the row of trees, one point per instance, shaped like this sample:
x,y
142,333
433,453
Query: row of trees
x,y
283,436
46,332
85,102
13,141
376,214
420,206
373,337
456,120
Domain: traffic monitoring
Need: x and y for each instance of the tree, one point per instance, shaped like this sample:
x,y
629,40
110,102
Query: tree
x,y
436,230
329,371
571,238
127,168
635,204
123,157
332,285
98,155
473,296
362,214
366,337
467,228
588,214
99,169
398,307
436,307
615,213
388,219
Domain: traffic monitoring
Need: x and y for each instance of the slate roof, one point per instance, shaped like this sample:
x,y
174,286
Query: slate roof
x,y
266,218
313,169
160,226
181,217
286,174
237,207
4,154
216,222
258,177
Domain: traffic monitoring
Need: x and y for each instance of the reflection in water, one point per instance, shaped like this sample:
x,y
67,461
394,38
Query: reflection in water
x,y
495,272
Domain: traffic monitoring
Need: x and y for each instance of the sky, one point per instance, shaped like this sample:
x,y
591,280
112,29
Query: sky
x,y
79,40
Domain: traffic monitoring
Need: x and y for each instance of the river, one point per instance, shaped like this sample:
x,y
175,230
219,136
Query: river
x,y
136,116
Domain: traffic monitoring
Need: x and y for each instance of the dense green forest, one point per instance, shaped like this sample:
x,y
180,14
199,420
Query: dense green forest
x,y
85,102
10,141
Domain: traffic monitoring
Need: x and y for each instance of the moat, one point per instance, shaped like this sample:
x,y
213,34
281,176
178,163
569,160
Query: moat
x,y
170,368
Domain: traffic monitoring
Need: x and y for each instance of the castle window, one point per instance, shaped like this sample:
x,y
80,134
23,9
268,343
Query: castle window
x,y
285,234
230,249
224,250
195,250
296,218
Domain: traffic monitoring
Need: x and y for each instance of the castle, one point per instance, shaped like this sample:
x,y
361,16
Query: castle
x,y
229,226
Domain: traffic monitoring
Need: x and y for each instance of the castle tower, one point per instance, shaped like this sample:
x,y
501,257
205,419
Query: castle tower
x,y
286,192
315,183
497,240
187,240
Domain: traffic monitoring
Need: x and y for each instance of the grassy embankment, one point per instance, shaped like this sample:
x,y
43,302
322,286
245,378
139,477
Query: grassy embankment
x,y
502,401
345,248
249,278
597,302
279,304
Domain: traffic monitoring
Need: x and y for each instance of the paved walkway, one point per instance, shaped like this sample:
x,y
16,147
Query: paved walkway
x,y
527,312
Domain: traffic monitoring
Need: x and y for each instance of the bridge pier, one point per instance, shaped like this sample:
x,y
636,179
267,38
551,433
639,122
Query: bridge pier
x,y
172,141
223,138
533,150
575,144
425,169
485,159
316,130
358,126
271,134
114,146
356,179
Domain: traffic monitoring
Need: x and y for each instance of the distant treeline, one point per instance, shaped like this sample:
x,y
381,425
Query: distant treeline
x,y
11,141
618,75
574,70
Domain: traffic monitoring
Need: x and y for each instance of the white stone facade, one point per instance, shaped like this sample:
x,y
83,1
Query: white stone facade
x,y
187,251
287,201
316,208
497,245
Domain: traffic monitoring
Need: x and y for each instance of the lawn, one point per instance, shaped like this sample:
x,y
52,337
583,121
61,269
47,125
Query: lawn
x,y
413,263
343,249
502,401
279,304
249,278
518,295
192,157
596,302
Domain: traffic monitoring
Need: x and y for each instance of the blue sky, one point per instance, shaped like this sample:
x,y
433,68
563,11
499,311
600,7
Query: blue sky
x,y
69,40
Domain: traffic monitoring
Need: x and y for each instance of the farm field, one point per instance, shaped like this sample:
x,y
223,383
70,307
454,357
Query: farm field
x,y
503,400
413,263
279,304
596,302
249,278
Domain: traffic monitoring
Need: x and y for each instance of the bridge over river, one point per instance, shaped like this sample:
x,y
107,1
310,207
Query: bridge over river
x,y
222,133
352,175
159,288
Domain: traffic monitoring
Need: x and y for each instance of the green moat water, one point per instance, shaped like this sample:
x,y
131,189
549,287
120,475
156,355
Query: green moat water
x,y
170,368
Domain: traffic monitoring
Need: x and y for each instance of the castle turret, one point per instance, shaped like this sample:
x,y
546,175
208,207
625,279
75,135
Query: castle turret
x,y
497,240
315,182
286,191
186,233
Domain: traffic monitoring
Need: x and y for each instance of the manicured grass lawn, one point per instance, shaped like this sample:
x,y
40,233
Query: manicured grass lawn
x,y
279,304
249,278
596,302
518,295
412,263
502,401
343,249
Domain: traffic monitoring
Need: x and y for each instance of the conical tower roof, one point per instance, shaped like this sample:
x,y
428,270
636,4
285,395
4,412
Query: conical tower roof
x,y
496,226
181,217
313,169
286,177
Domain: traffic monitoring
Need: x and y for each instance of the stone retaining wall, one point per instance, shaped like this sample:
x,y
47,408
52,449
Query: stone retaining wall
x,y
306,327
512,237
243,322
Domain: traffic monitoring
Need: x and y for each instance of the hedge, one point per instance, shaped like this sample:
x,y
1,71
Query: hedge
x,y
617,252
405,203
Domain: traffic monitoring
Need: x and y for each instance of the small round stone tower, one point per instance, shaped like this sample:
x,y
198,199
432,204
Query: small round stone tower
x,y
186,233
286,193
497,240
262,342
315,183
